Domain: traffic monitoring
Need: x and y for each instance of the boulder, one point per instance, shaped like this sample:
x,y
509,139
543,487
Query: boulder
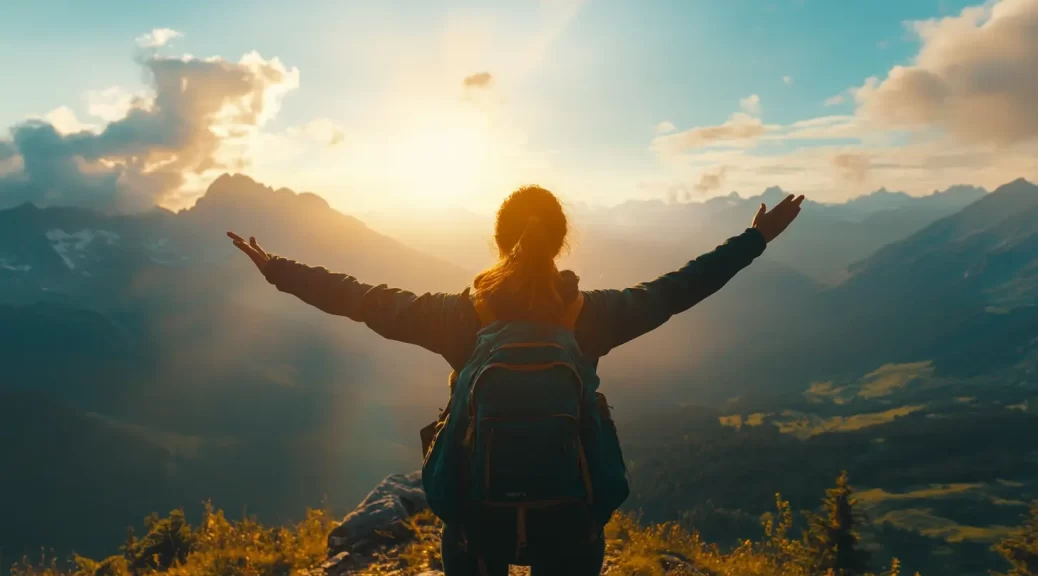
x,y
378,518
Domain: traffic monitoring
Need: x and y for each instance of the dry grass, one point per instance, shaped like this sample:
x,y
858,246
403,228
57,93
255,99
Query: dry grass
x,y
220,547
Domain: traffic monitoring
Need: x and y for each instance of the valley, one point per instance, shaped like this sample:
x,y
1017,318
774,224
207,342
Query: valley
x,y
145,363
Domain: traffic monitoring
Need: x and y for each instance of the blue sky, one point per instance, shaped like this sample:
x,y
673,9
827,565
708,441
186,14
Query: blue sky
x,y
579,89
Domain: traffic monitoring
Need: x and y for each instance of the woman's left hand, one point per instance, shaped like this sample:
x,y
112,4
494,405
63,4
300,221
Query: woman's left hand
x,y
251,249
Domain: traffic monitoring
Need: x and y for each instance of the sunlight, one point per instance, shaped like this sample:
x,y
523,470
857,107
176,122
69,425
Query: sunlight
x,y
447,160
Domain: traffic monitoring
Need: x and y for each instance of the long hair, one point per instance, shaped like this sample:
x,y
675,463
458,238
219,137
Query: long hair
x,y
530,232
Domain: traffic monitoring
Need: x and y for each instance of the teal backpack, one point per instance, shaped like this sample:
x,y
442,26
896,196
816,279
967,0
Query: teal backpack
x,y
525,428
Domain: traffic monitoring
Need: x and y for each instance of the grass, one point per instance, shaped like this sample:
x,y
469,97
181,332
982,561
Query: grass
x,y
219,547
889,378
925,522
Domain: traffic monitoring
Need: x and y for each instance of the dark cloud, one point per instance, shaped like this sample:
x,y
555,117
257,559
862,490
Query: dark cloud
x,y
710,181
853,167
143,158
481,80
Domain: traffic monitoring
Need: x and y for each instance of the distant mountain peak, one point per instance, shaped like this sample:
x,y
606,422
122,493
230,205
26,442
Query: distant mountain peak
x,y
1019,182
235,189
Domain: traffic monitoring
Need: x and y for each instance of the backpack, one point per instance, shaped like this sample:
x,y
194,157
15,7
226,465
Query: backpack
x,y
525,429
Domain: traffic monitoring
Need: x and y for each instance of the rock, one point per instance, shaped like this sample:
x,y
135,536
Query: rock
x,y
336,565
378,518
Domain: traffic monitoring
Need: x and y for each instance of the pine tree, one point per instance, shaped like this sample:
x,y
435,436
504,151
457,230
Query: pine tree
x,y
831,538
1021,549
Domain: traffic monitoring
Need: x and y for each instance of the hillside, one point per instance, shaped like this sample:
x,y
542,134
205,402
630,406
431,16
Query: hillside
x,y
827,239
154,339
151,333
392,532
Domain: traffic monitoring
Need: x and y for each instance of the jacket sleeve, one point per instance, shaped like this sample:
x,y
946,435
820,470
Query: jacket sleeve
x,y
436,322
613,317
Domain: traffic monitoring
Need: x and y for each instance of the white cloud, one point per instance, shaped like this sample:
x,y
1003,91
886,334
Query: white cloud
x,y
739,130
665,127
157,38
787,80
189,125
112,103
65,121
824,128
834,100
321,130
962,111
837,172
750,104
975,77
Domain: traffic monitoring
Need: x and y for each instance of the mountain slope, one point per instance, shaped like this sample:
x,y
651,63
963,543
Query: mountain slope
x,y
827,238
967,277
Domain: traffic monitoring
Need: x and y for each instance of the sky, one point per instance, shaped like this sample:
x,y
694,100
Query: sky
x,y
416,105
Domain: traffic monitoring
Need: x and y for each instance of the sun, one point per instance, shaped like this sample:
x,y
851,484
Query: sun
x,y
447,159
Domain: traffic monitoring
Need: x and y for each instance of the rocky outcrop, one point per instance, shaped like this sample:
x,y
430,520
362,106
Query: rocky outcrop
x,y
388,533
380,518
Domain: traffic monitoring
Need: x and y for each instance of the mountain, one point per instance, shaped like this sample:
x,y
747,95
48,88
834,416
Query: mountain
x,y
940,290
151,331
97,259
827,239
154,327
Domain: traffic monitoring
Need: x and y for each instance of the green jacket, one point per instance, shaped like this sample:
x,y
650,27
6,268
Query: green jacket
x,y
446,324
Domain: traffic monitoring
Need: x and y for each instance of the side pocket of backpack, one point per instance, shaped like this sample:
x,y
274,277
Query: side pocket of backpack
x,y
614,480
441,473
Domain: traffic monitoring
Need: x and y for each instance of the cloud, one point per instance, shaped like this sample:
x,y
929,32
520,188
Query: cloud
x,y
136,161
480,80
975,77
787,80
853,166
157,38
750,104
65,121
665,127
834,172
835,127
834,100
112,103
740,129
710,181
321,130
7,151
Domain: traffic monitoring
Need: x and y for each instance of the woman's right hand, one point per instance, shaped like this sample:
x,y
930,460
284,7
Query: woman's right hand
x,y
251,249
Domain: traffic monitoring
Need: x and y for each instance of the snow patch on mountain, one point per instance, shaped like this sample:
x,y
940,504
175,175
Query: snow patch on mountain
x,y
9,264
75,245
163,252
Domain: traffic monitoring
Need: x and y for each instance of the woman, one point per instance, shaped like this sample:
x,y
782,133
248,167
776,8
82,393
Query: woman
x,y
525,285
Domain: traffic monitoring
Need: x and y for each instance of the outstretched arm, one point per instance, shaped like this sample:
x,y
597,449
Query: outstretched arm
x,y
429,320
613,317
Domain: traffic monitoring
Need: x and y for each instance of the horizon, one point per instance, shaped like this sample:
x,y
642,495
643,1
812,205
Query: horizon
x,y
456,105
